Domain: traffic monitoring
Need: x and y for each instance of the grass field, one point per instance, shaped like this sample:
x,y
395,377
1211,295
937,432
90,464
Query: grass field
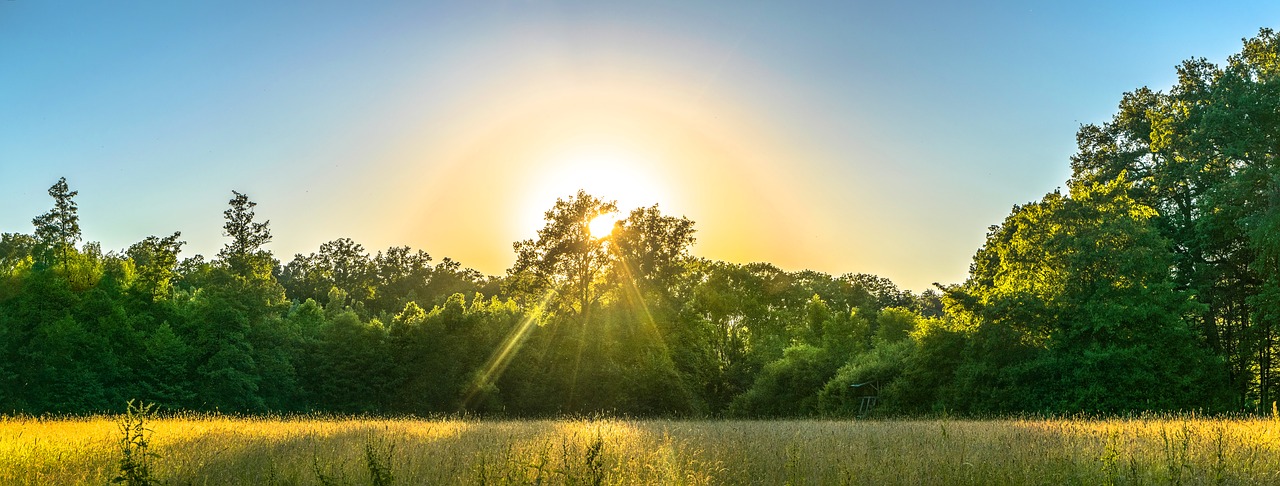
x,y
222,450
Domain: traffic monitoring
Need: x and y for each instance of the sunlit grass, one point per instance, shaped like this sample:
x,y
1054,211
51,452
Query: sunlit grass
x,y
200,449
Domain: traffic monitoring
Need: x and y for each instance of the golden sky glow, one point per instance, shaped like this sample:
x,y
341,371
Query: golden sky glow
x,y
879,138
638,145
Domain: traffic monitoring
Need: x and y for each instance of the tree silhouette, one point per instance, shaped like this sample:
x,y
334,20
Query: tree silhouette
x,y
58,230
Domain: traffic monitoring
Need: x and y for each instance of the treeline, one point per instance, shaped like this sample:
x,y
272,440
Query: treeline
x,y
1153,285
625,323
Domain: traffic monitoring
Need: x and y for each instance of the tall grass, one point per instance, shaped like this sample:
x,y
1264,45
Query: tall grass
x,y
206,449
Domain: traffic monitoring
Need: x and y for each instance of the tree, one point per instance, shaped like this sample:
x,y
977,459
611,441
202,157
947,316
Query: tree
x,y
606,305
17,257
565,263
354,365
788,386
166,371
341,263
58,230
894,324
449,277
653,247
1204,157
156,261
402,277
244,254
1083,284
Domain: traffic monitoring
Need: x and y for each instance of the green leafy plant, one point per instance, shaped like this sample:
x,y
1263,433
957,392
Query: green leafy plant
x,y
135,447
594,460
377,457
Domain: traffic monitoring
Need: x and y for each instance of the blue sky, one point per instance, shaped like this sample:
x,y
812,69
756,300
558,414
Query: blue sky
x,y
878,137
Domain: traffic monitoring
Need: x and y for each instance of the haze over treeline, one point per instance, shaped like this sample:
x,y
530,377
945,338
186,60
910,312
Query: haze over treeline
x,y
1153,283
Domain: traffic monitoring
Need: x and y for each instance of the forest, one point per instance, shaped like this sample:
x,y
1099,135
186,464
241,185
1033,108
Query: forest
x,y
1151,283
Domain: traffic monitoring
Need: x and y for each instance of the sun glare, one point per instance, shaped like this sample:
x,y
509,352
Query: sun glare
x,y
602,225
611,173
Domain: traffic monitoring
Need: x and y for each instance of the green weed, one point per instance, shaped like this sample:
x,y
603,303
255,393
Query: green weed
x,y
135,448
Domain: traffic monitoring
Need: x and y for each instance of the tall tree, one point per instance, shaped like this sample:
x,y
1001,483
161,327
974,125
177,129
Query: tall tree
x,y
565,262
58,230
244,253
1204,157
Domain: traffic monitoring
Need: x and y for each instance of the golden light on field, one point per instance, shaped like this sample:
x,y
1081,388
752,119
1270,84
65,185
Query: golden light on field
x,y
212,449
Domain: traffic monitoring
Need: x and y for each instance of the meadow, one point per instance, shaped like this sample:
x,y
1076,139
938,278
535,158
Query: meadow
x,y
210,449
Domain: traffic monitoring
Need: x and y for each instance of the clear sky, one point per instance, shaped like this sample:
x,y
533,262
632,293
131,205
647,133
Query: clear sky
x,y
852,136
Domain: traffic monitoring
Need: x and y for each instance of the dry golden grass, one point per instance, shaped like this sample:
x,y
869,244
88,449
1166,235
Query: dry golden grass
x,y
222,450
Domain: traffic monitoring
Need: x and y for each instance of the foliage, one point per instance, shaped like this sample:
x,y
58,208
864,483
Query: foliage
x,y
1202,156
625,323
1082,286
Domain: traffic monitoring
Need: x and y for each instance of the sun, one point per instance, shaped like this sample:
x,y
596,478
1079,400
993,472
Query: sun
x,y
619,173
602,226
